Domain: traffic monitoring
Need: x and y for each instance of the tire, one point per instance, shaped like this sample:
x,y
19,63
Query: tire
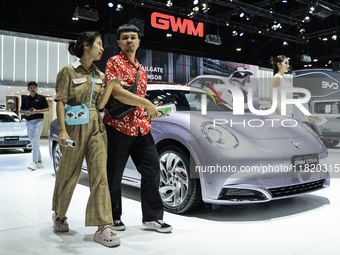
x,y
330,143
56,156
179,192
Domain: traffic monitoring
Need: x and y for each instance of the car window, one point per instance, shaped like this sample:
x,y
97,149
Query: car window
x,y
327,108
185,100
9,118
169,96
194,99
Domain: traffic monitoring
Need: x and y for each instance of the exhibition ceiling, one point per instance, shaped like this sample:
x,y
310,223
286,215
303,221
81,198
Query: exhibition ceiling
x,y
239,31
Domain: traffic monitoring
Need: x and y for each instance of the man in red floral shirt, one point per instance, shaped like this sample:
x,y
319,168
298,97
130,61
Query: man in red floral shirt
x,y
130,135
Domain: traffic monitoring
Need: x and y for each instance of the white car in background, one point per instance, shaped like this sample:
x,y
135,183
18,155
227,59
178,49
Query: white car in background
x,y
13,132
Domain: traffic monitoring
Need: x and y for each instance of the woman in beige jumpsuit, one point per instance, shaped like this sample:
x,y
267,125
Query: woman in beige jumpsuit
x,y
73,87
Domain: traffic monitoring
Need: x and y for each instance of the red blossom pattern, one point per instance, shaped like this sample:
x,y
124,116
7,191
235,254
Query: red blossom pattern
x,y
120,66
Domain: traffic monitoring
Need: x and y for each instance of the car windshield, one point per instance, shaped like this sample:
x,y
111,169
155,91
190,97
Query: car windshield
x,y
186,100
9,118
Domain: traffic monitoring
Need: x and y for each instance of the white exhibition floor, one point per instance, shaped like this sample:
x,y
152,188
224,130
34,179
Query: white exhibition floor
x,y
305,225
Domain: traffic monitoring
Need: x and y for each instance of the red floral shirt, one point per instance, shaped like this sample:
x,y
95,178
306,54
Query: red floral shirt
x,y
121,66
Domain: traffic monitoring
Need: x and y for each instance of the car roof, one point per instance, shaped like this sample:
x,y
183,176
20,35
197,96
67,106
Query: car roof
x,y
171,86
6,112
325,100
210,76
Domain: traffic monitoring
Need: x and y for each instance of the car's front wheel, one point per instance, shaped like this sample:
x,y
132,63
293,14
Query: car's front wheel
x,y
56,153
179,192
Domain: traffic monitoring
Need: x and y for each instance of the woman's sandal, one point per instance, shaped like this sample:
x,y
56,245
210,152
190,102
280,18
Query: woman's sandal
x,y
107,237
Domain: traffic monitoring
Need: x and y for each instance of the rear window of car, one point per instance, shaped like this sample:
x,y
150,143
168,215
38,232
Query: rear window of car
x,y
9,118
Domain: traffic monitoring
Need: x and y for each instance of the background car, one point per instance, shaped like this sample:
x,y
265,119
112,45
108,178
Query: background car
x,y
13,132
328,128
188,141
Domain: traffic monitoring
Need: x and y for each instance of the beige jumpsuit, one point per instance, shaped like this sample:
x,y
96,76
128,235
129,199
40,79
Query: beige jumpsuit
x,y
73,87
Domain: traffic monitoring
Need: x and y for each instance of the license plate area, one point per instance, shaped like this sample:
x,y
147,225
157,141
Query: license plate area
x,y
11,138
305,162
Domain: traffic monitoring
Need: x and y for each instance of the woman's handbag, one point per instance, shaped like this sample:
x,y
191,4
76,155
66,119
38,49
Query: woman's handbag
x,y
117,109
78,114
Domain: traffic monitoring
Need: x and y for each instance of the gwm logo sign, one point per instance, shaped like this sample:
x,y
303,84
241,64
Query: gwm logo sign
x,y
164,21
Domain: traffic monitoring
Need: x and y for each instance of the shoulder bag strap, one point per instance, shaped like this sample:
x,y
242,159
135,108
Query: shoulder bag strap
x,y
137,77
92,88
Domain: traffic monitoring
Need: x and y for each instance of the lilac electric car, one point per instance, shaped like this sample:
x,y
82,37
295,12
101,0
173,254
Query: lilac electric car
x,y
220,158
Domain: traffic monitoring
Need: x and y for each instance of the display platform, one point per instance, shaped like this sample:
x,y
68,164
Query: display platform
x,y
304,225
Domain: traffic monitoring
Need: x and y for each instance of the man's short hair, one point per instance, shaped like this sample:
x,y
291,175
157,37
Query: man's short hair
x,y
10,101
127,28
32,83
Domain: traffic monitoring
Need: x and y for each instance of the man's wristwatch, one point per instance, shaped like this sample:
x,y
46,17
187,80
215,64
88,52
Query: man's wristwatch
x,y
37,111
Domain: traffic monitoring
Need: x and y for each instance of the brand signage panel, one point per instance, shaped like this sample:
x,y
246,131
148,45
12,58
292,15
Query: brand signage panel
x,y
185,26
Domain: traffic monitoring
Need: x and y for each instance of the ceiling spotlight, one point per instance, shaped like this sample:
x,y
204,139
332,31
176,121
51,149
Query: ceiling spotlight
x,y
110,4
315,60
285,43
75,18
241,34
276,26
119,7
306,19
330,62
168,35
195,2
260,31
235,33
191,14
195,9
205,7
302,30
238,49
169,3
227,23
311,10
334,37
324,39
284,1
241,14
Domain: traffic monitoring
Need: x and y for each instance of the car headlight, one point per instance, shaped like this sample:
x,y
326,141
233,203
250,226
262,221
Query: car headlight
x,y
219,136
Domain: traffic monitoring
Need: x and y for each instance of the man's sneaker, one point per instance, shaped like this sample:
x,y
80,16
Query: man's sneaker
x,y
40,165
118,225
33,166
158,225
59,225
107,237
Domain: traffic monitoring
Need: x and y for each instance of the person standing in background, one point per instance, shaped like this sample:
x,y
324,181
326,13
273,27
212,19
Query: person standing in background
x,y
33,107
11,106
280,67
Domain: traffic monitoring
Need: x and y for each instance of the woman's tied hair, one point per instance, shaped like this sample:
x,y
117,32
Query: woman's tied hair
x,y
76,48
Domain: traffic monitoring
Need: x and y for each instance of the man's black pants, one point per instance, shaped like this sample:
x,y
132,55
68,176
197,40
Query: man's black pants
x,y
145,157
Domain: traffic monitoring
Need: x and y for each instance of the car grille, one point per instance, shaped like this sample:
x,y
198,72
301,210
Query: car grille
x,y
297,189
13,144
